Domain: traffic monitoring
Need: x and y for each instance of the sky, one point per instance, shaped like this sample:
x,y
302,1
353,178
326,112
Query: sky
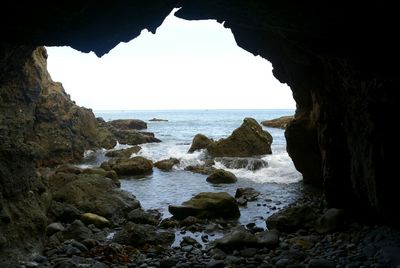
x,y
185,65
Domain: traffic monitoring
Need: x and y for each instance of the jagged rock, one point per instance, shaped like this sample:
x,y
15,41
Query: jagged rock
x,y
292,219
124,153
137,165
249,163
199,142
247,140
201,169
141,234
250,194
128,124
222,176
207,205
91,192
280,122
166,164
98,221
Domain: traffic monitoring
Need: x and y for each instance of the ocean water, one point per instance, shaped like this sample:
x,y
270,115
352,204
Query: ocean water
x,y
278,182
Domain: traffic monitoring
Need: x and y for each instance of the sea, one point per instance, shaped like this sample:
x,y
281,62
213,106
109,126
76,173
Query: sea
x,y
279,182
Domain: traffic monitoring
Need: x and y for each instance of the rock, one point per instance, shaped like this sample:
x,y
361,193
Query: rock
x,y
137,165
53,228
332,220
250,194
321,263
268,239
158,120
124,153
166,164
249,163
168,263
199,142
247,140
222,176
241,201
68,168
98,221
94,193
77,231
292,219
104,173
201,169
140,216
237,239
139,235
63,212
133,137
128,124
280,122
207,205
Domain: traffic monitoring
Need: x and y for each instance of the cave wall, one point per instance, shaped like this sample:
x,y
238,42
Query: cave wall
x,y
336,57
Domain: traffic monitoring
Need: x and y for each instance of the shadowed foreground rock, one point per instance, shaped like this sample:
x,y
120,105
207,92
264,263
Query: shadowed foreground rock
x,y
207,206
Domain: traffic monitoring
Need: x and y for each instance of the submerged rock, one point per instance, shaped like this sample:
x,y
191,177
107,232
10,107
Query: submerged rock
x,y
207,206
137,165
249,163
128,124
199,142
201,169
158,120
250,194
124,153
247,140
280,122
166,164
222,176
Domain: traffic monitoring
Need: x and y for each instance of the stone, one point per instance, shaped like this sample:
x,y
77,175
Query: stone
x,y
292,219
268,239
321,263
207,205
133,137
105,173
53,228
221,176
128,124
166,164
280,122
332,220
237,239
199,142
250,163
137,165
124,153
140,216
98,221
249,194
247,140
158,120
201,169
77,231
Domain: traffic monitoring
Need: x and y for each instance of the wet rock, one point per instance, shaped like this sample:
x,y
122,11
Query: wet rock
x,y
124,153
189,221
250,194
269,239
207,205
241,201
332,220
199,142
201,169
128,124
133,137
140,216
53,228
166,164
237,239
247,140
249,163
280,122
140,234
321,263
215,264
221,176
158,120
98,221
168,263
292,219
77,231
69,168
137,165
104,173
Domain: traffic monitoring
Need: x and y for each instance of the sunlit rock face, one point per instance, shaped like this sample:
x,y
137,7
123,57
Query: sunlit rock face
x,y
337,59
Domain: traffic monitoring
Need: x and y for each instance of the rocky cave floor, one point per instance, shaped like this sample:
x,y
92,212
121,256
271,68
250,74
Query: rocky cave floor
x,y
304,235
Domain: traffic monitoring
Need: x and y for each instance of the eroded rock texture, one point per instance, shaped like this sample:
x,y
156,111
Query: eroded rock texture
x,y
337,58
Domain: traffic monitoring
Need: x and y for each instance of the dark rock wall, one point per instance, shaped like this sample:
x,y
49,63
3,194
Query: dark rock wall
x,y
337,58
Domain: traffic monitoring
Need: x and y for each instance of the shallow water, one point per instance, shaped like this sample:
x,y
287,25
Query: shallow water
x,y
278,182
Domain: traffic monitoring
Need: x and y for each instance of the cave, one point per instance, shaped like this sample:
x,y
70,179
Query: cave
x,y
337,58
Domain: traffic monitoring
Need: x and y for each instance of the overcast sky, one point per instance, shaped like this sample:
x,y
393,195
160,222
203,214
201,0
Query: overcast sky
x,y
185,65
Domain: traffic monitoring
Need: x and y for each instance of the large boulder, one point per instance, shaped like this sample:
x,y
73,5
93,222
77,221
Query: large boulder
x,y
199,142
280,122
222,176
124,153
207,206
104,173
247,140
166,164
250,163
91,193
137,165
128,124
292,219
